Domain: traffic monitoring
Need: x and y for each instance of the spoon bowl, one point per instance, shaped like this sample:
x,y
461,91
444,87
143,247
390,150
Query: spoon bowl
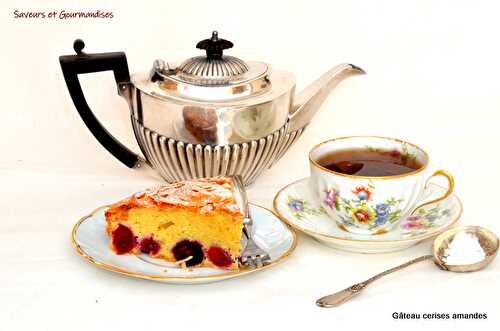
x,y
488,241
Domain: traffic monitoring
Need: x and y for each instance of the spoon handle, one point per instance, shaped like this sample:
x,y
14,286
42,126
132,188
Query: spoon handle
x,y
340,297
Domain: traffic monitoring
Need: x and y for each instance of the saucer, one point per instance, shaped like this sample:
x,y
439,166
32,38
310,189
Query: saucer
x,y
92,243
297,205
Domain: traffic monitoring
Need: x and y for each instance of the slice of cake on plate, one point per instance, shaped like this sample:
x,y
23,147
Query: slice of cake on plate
x,y
196,222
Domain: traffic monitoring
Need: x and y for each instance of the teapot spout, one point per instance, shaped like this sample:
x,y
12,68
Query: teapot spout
x,y
308,101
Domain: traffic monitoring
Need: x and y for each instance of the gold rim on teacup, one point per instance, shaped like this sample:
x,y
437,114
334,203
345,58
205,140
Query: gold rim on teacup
x,y
414,172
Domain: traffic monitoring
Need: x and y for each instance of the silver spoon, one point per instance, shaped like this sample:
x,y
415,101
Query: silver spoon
x,y
487,240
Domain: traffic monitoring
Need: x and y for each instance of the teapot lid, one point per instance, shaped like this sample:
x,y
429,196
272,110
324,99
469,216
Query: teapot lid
x,y
213,77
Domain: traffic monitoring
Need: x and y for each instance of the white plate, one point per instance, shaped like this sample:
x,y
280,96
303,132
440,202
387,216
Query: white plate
x,y
92,242
297,205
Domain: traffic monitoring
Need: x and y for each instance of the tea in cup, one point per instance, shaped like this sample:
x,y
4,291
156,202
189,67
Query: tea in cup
x,y
368,184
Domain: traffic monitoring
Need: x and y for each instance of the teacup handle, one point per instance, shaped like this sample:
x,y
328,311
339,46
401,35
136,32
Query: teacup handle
x,y
451,185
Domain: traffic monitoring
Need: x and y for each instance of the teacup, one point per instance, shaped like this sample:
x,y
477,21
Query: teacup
x,y
373,204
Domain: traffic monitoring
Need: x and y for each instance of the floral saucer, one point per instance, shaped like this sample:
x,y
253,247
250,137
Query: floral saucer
x,y
92,243
297,205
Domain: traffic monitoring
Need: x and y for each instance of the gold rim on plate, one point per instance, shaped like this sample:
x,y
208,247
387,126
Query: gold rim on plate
x,y
327,236
228,275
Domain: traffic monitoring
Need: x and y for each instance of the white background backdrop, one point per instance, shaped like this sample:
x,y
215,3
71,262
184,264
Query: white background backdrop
x,y
433,69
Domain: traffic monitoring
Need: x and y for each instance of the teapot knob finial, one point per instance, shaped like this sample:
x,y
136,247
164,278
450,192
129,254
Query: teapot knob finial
x,y
214,46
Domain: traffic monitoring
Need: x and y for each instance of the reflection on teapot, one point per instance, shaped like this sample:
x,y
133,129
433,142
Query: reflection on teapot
x,y
200,123
211,115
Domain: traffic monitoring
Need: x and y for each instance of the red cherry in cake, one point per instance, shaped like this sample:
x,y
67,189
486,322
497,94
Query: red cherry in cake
x,y
219,256
149,246
123,239
186,248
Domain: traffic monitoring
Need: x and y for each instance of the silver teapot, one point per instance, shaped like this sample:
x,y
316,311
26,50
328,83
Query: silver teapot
x,y
212,115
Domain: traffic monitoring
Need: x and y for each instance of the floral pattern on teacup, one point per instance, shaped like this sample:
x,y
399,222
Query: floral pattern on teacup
x,y
360,210
332,199
424,220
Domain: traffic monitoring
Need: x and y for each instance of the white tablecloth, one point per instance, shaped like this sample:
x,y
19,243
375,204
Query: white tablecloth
x,y
432,79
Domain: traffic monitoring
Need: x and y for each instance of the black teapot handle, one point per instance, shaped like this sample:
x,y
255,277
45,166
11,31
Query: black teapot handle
x,y
83,63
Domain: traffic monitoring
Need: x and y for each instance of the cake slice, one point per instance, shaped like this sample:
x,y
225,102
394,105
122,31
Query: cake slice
x,y
196,222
